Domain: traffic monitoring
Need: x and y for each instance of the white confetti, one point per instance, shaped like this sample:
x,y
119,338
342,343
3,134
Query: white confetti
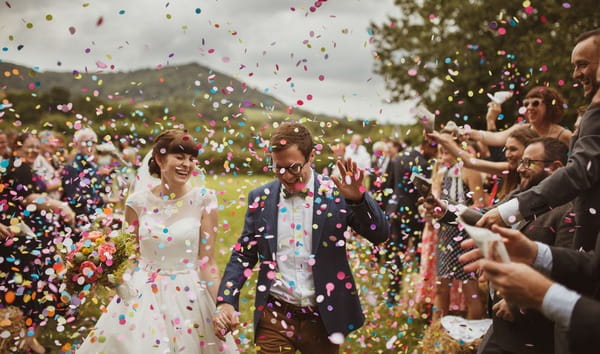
x,y
336,338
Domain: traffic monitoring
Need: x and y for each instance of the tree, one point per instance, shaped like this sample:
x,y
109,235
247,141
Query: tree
x,y
448,54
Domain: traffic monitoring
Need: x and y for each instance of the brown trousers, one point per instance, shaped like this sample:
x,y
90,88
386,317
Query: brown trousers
x,y
285,328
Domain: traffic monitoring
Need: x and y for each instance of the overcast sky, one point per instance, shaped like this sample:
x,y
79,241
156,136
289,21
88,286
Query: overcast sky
x,y
265,37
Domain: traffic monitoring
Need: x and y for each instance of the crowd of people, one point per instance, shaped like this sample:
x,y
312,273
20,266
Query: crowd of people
x,y
50,193
537,176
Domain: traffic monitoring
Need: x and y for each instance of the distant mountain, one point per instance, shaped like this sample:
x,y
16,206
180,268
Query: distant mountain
x,y
174,83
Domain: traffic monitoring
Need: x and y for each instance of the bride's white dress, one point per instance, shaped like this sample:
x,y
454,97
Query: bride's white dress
x,y
169,308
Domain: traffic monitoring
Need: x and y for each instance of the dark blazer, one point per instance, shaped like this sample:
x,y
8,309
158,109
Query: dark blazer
x,y
82,186
531,332
401,206
340,309
581,272
579,181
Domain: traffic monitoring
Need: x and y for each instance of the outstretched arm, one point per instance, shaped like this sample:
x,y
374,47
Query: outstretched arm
x,y
469,160
244,256
492,138
207,265
49,204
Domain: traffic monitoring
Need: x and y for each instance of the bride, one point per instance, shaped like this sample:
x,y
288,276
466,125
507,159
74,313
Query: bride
x,y
167,303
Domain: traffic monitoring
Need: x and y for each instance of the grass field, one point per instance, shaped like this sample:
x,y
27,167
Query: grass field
x,y
386,329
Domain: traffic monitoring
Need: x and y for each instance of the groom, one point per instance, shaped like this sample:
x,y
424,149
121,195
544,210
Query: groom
x,y
296,227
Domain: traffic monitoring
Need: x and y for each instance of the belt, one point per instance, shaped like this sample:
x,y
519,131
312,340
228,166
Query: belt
x,y
290,310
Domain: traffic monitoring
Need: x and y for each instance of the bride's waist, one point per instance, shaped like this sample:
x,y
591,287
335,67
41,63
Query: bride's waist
x,y
166,268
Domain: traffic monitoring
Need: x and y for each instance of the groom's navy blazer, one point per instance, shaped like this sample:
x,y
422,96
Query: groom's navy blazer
x,y
340,309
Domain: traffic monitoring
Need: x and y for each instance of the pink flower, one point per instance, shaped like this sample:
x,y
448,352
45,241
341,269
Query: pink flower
x,y
106,249
89,271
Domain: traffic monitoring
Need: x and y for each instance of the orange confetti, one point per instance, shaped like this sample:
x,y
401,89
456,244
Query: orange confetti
x,y
9,297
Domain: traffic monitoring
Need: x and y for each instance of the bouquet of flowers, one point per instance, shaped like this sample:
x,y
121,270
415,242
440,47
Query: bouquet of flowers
x,y
98,259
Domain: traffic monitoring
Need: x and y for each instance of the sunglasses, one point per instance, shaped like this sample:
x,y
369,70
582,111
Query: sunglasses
x,y
534,102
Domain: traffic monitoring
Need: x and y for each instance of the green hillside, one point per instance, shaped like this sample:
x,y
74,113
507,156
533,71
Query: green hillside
x,y
186,82
229,118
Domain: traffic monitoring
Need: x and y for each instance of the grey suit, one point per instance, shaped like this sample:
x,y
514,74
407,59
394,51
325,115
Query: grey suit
x,y
579,181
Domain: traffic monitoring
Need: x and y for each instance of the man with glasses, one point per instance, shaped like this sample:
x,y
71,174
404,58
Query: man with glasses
x,y
296,227
519,331
82,185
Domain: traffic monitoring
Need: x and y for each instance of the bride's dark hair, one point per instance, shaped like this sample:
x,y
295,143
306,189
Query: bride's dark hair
x,y
172,141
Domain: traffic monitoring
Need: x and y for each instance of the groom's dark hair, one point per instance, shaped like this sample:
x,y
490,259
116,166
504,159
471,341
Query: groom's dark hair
x,y
172,141
290,134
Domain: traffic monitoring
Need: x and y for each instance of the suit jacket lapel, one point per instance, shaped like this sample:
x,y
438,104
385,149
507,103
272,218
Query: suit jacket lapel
x,y
270,216
318,218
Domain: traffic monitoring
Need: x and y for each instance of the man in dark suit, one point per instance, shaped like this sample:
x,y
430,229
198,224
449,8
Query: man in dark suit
x,y
514,330
580,179
537,278
401,208
296,227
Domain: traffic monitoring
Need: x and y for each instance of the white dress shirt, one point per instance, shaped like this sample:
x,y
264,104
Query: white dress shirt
x,y
559,302
294,282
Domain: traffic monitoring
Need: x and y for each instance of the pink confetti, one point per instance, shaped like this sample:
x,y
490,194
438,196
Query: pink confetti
x,y
329,287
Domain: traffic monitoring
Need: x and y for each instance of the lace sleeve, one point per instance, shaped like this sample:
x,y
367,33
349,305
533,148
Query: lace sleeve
x,y
135,202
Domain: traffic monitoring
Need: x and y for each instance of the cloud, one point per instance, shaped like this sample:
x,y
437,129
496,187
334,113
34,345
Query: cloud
x,y
257,36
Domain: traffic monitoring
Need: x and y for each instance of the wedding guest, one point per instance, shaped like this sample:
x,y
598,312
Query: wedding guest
x,y
83,187
544,108
27,256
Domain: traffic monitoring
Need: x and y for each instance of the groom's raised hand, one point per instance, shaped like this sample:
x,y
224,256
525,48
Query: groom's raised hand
x,y
225,320
350,182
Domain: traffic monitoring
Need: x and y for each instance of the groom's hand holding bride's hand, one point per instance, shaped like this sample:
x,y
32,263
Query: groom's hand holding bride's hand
x,y
350,183
225,320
